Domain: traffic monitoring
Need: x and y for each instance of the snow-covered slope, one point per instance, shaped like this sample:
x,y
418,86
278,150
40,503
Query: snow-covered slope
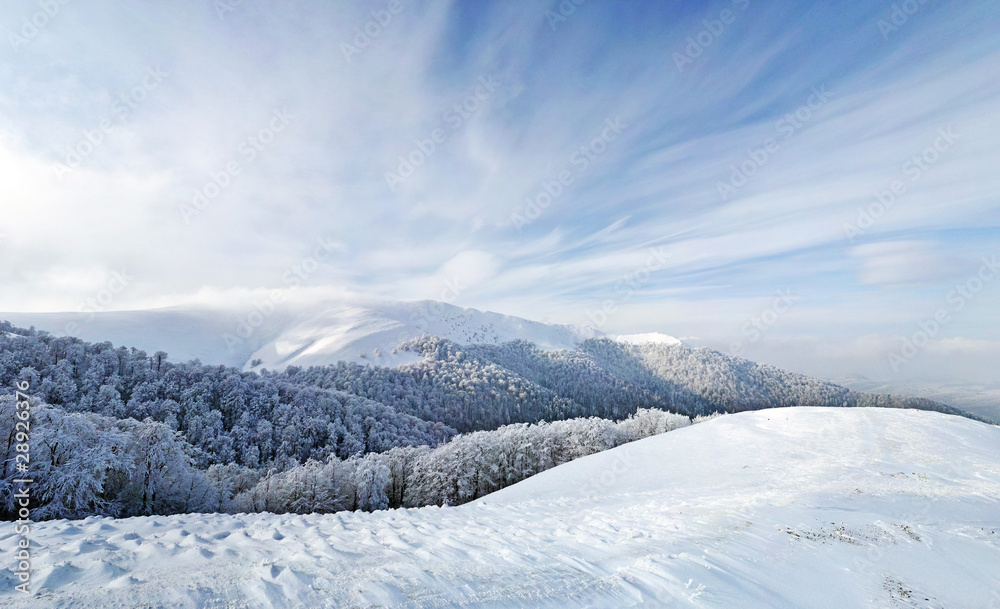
x,y
285,335
779,509
370,333
648,337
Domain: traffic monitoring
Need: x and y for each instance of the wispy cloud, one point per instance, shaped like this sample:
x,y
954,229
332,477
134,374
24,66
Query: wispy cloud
x,y
554,89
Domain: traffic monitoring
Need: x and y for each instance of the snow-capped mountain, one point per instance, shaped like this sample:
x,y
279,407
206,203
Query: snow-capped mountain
x,y
371,332
785,508
324,333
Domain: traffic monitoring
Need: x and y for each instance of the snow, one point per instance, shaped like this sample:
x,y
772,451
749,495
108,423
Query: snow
x,y
344,332
648,337
785,508
301,335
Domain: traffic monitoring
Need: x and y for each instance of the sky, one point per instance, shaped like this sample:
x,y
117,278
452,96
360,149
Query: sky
x,y
811,184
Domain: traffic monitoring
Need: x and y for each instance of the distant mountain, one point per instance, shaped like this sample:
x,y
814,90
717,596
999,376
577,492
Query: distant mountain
x,y
612,378
472,369
982,400
321,334
371,333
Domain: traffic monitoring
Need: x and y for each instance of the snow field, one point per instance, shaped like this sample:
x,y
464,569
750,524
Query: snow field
x,y
786,508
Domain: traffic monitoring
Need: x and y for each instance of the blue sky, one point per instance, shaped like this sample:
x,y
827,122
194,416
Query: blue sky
x,y
667,166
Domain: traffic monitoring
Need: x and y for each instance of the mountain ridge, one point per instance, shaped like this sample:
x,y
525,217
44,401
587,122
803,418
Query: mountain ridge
x,y
481,358
318,334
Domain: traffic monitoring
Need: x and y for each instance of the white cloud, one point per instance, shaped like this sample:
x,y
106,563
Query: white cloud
x,y
902,262
655,185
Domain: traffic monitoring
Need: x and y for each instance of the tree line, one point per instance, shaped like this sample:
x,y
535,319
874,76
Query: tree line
x,y
206,437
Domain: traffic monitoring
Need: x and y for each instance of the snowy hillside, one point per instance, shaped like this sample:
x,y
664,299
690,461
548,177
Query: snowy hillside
x,y
318,334
785,508
370,333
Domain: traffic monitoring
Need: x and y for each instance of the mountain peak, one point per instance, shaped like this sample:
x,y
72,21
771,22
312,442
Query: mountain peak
x,y
275,337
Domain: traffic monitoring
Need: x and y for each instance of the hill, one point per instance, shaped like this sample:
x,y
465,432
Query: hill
x,y
790,508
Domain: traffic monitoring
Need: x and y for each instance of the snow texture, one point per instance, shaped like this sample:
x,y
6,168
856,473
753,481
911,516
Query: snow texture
x,y
784,508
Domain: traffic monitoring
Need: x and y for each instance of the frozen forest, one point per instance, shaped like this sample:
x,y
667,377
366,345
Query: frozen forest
x,y
120,432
